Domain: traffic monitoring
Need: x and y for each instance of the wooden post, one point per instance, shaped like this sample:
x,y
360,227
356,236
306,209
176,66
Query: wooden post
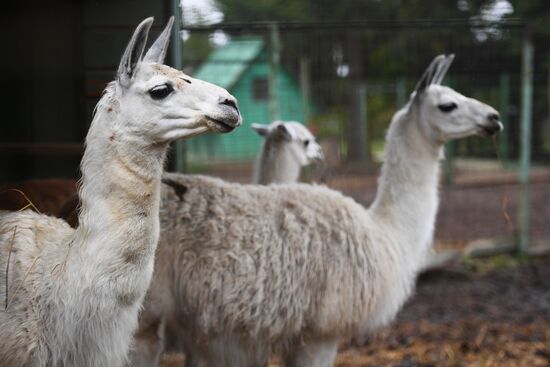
x,y
525,139
180,153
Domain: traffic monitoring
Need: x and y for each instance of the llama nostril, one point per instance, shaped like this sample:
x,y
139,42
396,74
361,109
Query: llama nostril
x,y
231,103
494,117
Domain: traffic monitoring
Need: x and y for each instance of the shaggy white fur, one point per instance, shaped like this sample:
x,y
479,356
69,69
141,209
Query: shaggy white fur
x,y
293,269
288,147
71,297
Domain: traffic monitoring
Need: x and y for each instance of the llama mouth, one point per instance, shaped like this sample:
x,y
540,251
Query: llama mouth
x,y
220,126
489,130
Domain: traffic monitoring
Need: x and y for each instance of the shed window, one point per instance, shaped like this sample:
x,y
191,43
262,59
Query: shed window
x,y
259,89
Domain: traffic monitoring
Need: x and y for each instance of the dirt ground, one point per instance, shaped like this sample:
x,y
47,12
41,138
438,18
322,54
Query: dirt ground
x,y
463,318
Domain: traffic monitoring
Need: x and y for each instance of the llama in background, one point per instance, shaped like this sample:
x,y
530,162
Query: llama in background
x,y
288,147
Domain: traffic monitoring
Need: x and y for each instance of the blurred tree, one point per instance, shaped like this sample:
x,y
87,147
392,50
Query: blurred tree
x,y
347,10
196,49
536,13
372,58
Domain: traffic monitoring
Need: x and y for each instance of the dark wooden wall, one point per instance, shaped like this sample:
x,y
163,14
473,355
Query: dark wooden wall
x,y
56,58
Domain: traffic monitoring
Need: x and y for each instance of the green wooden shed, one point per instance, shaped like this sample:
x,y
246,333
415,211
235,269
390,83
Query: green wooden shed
x,y
242,67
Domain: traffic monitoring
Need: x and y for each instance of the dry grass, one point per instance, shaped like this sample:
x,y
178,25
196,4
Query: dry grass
x,y
462,343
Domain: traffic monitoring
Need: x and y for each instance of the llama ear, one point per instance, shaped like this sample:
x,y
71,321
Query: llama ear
x,y
443,68
157,52
131,59
283,132
260,129
428,76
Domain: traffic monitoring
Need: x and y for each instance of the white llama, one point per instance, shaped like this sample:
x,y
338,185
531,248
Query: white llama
x,y
288,146
71,297
294,269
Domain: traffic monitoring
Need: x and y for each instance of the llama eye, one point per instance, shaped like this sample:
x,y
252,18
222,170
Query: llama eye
x,y
186,80
306,143
447,107
161,91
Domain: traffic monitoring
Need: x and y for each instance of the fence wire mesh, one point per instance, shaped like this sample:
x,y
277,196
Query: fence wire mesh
x,y
345,81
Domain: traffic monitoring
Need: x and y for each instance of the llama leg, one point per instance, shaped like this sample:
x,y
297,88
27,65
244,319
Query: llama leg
x,y
321,353
149,344
231,351
186,341
192,359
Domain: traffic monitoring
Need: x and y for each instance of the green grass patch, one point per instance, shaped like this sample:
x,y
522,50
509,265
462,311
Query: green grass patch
x,y
484,265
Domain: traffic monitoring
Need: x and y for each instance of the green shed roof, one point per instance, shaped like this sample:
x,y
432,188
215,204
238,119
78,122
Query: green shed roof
x,y
226,64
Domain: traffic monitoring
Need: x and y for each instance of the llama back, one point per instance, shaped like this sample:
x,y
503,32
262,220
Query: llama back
x,y
232,275
23,235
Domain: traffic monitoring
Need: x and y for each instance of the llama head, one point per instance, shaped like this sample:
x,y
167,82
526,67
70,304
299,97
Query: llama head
x,y
295,137
445,114
160,104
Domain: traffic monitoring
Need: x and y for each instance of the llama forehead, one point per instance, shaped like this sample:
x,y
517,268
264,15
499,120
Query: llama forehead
x,y
298,131
165,70
438,94
159,73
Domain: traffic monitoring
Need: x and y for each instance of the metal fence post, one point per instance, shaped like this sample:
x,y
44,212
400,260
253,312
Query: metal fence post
x,y
548,94
305,88
274,61
504,99
357,126
448,163
363,115
401,92
450,150
525,139
177,52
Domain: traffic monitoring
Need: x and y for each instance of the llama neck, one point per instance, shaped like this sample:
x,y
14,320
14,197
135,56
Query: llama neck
x,y
407,198
276,163
120,196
